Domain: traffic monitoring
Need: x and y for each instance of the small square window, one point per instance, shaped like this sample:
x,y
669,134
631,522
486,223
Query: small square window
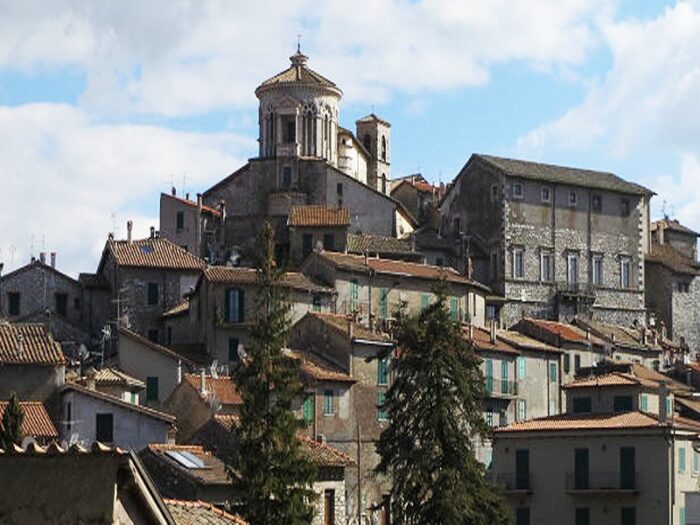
x,y
517,191
546,194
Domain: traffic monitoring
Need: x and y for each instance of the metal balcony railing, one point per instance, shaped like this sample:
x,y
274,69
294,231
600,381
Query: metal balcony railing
x,y
601,481
510,481
567,289
497,387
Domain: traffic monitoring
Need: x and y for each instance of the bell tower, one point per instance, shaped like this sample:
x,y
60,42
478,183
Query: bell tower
x,y
375,135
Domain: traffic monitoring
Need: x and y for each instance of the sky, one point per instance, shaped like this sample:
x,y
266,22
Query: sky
x,y
103,105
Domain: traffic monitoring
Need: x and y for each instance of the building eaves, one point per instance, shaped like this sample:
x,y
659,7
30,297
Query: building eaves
x,y
192,204
314,215
27,343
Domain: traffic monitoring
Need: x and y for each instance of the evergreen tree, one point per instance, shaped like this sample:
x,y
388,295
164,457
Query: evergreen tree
x,y
434,407
271,476
11,425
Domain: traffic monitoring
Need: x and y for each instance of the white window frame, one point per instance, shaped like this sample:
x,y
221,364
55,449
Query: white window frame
x,y
548,198
572,256
518,190
625,262
597,277
518,251
549,254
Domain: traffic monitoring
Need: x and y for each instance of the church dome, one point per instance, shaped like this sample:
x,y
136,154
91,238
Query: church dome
x,y
298,74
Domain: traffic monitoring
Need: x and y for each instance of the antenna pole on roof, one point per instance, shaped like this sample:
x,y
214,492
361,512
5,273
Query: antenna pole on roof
x,y
298,42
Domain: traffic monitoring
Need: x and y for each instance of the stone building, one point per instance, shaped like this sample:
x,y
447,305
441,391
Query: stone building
x,y
347,414
39,293
306,159
673,282
311,227
418,196
145,277
192,225
554,241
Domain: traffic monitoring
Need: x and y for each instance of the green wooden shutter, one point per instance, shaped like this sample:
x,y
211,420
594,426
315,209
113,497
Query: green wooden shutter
x,y
308,408
151,389
489,376
383,303
382,368
504,377
454,309
381,409
424,301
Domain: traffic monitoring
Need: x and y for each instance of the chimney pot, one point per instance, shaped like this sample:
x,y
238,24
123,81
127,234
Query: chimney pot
x,y
53,260
42,257
129,228
153,232
200,202
173,191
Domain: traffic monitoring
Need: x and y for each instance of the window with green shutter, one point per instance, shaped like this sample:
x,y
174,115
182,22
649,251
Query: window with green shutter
x,y
489,375
151,389
384,303
454,309
644,402
522,368
567,363
328,403
696,463
681,459
552,372
308,408
522,410
504,377
382,371
424,301
354,295
681,516
381,409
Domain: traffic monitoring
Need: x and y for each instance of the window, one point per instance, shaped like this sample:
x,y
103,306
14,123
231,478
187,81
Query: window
x,y
62,304
180,220
625,207
504,377
622,403
489,417
329,242
596,204
573,199
316,302
104,428
546,266
13,300
307,245
382,371
383,148
134,398
522,410
581,468
683,287
233,349
328,403
488,364
627,468
669,407
567,363
367,143
152,294
582,516
696,462
153,335
329,507
491,312
439,261
644,402
383,303
522,367
522,469
456,227
286,177
233,309
454,309
517,191
308,408
625,280
488,458
424,301
582,405
552,372
339,188
628,516
522,516
151,389
354,295
572,269
681,459
546,194
381,409
290,129
597,270
518,263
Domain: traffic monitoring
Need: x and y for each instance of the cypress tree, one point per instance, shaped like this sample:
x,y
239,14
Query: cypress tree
x,y
271,476
434,407
11,425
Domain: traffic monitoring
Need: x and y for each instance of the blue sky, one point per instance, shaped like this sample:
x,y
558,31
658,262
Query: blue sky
x,y
102,105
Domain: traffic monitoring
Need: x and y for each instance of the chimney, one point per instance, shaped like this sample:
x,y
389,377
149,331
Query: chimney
x,y
187,196
493,332
663,396
42,257
90,379
53,260
588,335
110,236
129,227
20,344
153,232
179,371
173,191
200,202
202,384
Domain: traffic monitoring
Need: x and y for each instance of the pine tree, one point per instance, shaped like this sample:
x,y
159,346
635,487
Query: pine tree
x,y
271,476
11,425
434,408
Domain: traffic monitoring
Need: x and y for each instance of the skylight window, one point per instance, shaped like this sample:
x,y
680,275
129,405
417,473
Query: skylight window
x,y
147,249
186,459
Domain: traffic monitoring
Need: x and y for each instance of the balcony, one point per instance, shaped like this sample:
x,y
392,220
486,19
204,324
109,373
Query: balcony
x,y
510,482
496,387
601,483
577,291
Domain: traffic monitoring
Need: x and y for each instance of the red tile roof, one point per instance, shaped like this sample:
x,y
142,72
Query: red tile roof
x,y
113,376
37,422
200,513
324,455
240,275
672,259
577,422
341,324
318,215
222,387
613,379
523,342
400,268
24,343
192,204
213,473
153,253
482,341
319,369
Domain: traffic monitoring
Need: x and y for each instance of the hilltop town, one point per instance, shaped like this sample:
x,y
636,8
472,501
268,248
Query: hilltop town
x,y
584,313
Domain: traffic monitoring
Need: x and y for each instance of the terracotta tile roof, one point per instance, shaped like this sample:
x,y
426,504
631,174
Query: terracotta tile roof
x,y
523,342
54,449
192,204
297,74
318,215
553,331
482,341
563,175
401,268
612,379
113,376
578,422
241,275
323,455
153,253
361,244
620,335
180,309
319,369
102,396
666,255
213,472
673,225
187,358
341,324
24,343
221,387
37,422
200,513
643,372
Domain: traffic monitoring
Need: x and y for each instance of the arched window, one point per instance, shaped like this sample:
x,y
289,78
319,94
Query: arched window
x,y
367,143
383,148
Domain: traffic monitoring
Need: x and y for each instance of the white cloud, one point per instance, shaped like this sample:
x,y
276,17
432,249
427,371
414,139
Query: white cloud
x,y
62,176
646,104
189,57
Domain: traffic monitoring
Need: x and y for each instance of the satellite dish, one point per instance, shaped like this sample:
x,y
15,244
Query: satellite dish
x,y
241,352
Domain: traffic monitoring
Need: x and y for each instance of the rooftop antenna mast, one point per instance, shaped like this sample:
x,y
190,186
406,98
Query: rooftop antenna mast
x,y
663,208
298,42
